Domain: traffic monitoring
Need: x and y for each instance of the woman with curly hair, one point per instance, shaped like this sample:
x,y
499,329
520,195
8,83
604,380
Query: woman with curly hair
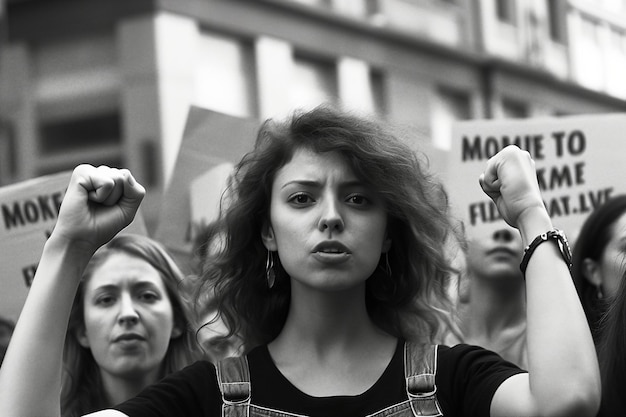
x,y
329,261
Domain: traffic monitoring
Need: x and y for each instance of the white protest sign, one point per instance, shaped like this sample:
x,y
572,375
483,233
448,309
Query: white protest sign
x,y
579,160
29,210
212,142
205,193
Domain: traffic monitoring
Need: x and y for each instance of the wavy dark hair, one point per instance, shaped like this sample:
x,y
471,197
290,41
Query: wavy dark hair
x,y
82,390
412,303
611,345
594,236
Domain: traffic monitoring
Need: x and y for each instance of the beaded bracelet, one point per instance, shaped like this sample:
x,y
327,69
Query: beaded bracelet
x,y
557,236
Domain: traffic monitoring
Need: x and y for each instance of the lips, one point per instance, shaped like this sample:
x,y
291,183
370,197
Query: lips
x,y
502,250
128,337
331,253
331,247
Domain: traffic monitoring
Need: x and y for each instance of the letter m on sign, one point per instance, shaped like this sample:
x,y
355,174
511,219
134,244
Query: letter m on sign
x,y
12,217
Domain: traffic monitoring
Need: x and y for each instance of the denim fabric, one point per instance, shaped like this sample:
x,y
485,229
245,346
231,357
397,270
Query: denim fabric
x,y
420,368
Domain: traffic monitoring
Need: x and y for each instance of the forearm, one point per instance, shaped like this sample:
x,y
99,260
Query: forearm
x,y
30,377
563,369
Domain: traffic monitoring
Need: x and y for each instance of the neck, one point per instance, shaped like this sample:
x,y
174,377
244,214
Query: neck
x,y
327,321
493,308
120,388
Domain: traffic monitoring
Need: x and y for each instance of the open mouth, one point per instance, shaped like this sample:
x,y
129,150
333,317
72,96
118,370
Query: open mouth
x,y
331,248
331,253
128,338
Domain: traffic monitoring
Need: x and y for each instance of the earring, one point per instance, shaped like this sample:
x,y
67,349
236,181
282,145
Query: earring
x,y
270,274
599,293
387,266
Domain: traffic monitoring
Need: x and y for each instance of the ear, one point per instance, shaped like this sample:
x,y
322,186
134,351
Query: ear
x,y
177,331
269,239
386,245
591,272
81,336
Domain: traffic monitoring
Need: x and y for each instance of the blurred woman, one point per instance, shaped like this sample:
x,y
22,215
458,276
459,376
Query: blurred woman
x,y
598,261
611,347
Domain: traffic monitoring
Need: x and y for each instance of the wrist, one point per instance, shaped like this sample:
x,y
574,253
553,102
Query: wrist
x,y
62,245
532,222
553,236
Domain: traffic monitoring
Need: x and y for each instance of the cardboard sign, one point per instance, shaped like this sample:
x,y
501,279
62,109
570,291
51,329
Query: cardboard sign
x,y
579,162
212,143
29,211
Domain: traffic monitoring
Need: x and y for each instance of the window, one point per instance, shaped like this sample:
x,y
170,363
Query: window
x,y
77,93
319,3
618,40
86,131
8,169
378,92
372,7
315,82
589,30
505,11
225,75
513,109
450,105
555,19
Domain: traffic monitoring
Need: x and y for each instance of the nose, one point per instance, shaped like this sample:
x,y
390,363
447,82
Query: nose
x,y
331,218
128,312
503,235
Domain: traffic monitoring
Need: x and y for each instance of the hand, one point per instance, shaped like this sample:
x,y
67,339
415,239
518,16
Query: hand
x,y
99,202
510,180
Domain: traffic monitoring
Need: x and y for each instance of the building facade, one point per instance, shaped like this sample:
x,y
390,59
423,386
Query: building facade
x,y
111,81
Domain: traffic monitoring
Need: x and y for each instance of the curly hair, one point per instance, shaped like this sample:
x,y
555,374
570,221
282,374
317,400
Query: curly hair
x,y
594,236
412,303
82,389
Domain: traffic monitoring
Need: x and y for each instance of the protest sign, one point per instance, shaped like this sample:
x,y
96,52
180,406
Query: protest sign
x,y
211,141
579,160
29,210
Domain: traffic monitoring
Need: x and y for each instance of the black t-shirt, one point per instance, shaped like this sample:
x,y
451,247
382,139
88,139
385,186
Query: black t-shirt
x,y
467,377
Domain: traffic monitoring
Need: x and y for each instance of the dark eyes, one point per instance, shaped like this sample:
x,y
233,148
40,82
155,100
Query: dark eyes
x,y
105,300
301,198
148,296
358,199
110,299
304,199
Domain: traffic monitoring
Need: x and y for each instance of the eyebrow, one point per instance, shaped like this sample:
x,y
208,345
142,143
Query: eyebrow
x,y
140,284
313,183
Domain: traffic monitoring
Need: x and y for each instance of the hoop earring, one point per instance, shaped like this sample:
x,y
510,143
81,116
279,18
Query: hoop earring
x,y
270,274
387,266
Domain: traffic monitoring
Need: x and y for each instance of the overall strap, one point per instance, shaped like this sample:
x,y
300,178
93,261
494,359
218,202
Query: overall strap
x,y
420,368
233,377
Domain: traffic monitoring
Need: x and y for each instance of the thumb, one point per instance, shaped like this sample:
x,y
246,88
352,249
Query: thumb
x,y
105,190
132,194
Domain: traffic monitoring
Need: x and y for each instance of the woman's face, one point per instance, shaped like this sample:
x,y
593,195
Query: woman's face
x,y
211,337
612,263
495,258
328,227
129,319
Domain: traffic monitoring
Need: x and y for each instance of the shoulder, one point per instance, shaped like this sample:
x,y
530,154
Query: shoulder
x,y
464,358
468,377
191,391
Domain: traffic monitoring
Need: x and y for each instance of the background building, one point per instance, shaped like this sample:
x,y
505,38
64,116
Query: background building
x,y
111,81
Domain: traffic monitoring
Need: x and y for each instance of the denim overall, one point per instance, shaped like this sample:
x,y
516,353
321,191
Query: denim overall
x,y
420,367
